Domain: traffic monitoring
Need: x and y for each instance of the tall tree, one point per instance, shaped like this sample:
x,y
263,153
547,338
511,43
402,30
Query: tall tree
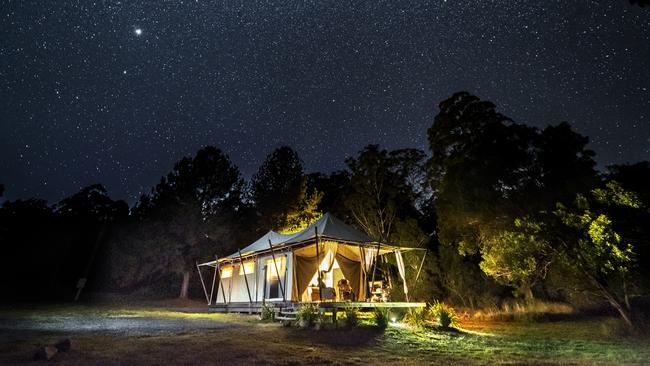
x,y
483,166
280,192
188,217
591,244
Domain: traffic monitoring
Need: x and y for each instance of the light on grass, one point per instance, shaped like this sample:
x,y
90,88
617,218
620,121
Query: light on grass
x,y
393,320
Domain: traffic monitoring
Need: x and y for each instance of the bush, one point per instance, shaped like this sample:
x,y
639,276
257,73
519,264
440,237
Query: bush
x,y
351,317
308,315
416,317
267,313
444,314
381,317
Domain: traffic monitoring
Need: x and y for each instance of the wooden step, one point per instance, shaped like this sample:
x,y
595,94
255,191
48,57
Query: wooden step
x,y
286,318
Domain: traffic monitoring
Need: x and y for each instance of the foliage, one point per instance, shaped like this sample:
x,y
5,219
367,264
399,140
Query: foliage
x,y
305,213
351,317
276,187
595,250
308,315
267,312
187,218
482,168
444,314
416,317
381,317
518,257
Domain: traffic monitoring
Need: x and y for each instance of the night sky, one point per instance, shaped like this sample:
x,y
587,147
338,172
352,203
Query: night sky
x,y
117,91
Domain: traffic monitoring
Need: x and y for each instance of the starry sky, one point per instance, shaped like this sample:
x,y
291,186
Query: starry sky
x,y
117,91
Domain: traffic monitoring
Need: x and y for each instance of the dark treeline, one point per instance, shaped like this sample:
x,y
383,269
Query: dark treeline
x,y
506,210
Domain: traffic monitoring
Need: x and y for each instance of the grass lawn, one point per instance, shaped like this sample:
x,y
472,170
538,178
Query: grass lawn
x,y
110,335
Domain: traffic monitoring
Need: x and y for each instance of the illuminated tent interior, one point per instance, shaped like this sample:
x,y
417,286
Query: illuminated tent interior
x,y
327,261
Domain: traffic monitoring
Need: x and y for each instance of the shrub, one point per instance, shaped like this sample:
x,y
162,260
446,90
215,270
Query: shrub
x,y
267,313
351,317
416,317
381,317
308,315
444,314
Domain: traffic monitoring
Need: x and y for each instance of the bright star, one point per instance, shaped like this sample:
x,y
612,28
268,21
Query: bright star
x,y
138,31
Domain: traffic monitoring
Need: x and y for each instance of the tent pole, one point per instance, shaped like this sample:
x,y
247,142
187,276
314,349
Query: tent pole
x,y
232,266
284,297
257,276
277,273
264,285
214,279
420,269
320,287
248,290
217,268
198,269
374,269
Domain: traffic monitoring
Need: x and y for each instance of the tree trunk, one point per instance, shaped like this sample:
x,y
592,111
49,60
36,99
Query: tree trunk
x,y
186,284
527,291
625,313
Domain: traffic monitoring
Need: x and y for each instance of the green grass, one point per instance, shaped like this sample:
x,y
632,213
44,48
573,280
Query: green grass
x,y
248,341
559,342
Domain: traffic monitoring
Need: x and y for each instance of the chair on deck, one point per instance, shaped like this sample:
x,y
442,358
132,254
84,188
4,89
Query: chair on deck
x,y
345,291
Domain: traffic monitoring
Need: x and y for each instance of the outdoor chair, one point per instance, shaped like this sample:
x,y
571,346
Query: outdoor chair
x,y
345,291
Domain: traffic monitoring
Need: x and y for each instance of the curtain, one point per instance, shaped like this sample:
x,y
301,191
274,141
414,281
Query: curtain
x,y
328,254
402,272
352,272
304,269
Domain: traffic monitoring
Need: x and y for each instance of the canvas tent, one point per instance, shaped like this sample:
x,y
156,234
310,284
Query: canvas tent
x,y
295,267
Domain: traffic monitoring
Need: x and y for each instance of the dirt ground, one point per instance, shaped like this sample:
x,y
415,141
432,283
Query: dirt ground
x,y
110,336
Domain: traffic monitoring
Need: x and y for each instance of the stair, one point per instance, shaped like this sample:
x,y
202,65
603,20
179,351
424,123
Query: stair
x,y
287,314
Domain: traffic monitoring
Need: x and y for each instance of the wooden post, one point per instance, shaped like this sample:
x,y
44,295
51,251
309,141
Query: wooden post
x,y
320,289
277,272
248,290
198,269
420,269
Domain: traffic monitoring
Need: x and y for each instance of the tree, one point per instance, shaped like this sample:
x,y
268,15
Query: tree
x,y
382,186
86,218
280,193
594,249
483,166
188,216
519,258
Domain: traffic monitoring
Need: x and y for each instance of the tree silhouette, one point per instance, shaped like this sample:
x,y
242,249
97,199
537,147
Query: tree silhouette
x,y
280,192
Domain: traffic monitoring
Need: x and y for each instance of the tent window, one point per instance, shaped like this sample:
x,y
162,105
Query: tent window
x,y
248,268
226,272
273,277
270,272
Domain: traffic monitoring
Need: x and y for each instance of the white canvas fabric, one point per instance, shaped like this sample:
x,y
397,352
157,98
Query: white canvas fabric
x,y
402,271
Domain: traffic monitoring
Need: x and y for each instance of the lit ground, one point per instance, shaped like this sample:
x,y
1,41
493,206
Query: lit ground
x,y
111,335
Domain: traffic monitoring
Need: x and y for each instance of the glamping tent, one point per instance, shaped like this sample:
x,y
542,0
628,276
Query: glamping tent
x,y
329,261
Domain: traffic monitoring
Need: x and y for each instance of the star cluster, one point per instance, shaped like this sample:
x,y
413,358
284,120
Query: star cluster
x,y
116,91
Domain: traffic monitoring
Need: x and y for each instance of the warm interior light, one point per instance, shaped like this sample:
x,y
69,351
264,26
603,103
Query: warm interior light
x,y
248,268
226,272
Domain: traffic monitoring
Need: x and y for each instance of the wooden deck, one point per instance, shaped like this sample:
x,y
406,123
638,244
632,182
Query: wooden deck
x,y
256,307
